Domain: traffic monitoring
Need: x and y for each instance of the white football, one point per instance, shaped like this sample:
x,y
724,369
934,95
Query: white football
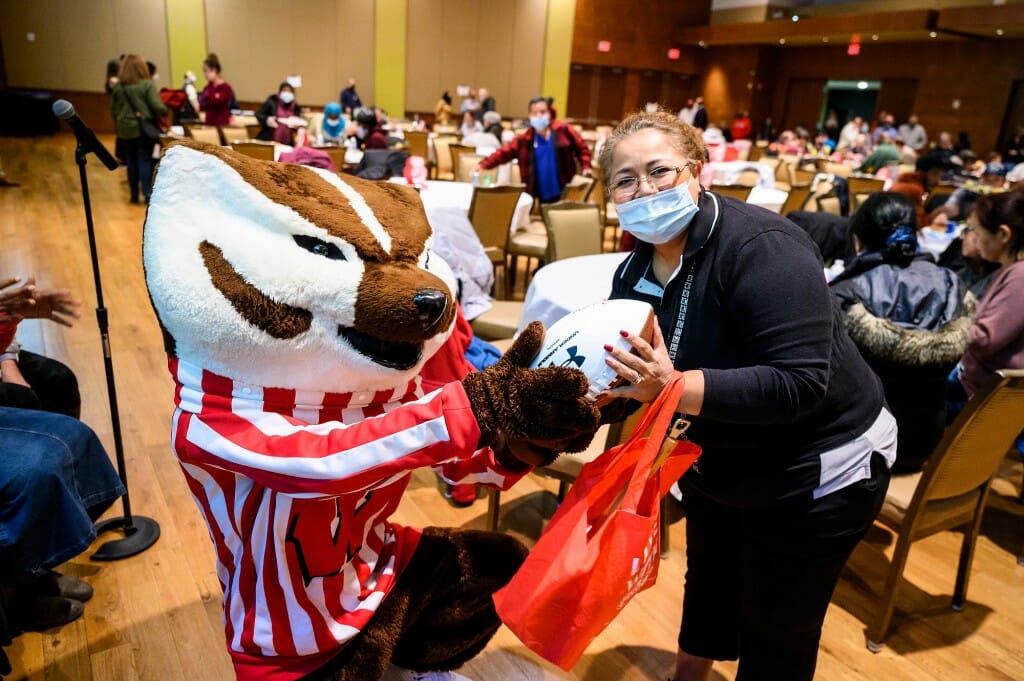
x,y
577,340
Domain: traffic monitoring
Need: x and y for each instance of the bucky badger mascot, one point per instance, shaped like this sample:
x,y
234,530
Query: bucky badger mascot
x,y
298,309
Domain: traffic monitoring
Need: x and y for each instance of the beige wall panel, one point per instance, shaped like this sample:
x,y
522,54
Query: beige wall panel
x,y
424,83
497,45
141,27
75,39
227,36
355,48
261,42
88,39
273,28
526,65
36,64
495,36
459,53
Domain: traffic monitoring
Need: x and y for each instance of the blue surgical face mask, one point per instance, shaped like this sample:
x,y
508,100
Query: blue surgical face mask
x,y
659,217
540,123
287,97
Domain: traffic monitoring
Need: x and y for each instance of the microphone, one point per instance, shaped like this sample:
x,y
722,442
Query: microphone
x,y
86,138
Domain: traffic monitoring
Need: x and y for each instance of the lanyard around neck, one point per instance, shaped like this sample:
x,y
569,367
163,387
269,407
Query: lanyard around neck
x,y
684,301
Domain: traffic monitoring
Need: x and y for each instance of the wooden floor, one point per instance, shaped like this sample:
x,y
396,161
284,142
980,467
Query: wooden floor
x,y
157,616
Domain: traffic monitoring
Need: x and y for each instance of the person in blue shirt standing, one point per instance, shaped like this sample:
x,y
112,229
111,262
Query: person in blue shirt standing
x,y
550,153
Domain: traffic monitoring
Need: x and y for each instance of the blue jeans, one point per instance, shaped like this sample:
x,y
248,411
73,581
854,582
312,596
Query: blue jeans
x,y
55,480
139,163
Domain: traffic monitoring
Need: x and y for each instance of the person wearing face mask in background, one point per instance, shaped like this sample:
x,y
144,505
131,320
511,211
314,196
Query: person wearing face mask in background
x,y
797,442
368,131
550,152
332,128
274,114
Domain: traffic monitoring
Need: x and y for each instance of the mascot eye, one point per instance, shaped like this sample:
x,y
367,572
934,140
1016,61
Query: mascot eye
x,y
314,245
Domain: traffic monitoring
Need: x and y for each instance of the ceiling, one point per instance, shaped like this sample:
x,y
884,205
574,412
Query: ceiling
x,y
989,23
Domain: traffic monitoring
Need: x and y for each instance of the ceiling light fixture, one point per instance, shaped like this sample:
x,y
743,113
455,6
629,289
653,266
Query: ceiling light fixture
x,y
795,17
862,85
874,37
999,31
932,34
782,41
701,43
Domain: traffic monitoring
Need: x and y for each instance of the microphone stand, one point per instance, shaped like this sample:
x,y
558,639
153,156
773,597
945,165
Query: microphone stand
x,y
140,532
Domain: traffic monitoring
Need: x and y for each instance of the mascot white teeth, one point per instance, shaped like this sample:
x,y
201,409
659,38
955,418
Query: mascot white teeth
x,y
299,309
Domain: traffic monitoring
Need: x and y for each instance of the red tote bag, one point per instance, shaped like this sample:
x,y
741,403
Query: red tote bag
x,y
602,546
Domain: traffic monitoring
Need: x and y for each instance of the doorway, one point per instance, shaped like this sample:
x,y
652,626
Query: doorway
x,y
849,98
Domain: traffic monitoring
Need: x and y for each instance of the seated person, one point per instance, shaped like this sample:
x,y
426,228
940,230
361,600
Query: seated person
x,y
470,125
996,338
275,115
28,380
993,179
907,316
369,133
488,139
332,129
55,482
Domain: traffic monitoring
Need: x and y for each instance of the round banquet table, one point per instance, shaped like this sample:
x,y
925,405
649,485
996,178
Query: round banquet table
x,y
566,285
441,194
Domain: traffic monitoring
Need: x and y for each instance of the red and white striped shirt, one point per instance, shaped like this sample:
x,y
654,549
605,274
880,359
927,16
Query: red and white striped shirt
x,y
296,489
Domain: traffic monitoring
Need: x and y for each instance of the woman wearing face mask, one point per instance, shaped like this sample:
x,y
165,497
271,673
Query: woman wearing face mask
x,y
549,154
332,129
368,130
278,108
797,441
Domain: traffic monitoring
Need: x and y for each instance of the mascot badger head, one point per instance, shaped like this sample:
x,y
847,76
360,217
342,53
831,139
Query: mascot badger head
x,y
287,276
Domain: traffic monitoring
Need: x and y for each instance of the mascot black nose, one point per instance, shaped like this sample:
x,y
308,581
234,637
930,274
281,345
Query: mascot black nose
x,y
431,305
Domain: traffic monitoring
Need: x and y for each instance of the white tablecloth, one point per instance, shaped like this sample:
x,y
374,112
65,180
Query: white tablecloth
x,y
772,199
440,194
727,172
566,285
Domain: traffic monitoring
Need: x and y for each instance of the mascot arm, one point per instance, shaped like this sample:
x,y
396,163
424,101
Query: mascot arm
x,y
293,457
546,409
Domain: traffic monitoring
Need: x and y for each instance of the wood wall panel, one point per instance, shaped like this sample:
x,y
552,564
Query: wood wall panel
x,y
978,75
640,33
803,102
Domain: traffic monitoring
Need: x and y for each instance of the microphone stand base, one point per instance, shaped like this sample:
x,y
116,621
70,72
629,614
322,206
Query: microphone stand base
x,y
139,534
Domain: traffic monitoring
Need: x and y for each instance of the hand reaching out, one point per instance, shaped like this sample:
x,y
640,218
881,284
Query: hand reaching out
x,y
10,298
30,303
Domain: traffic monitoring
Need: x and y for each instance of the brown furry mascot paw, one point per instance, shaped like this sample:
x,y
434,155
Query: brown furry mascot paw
x,y
530,415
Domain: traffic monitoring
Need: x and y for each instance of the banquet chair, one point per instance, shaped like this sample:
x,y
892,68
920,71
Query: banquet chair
x,y
755,154
443,169
748,178
252,130
417,144
578,189
337,155
736,191
861,187
231,134
841,169
798,175
203,133
952,489
490,212
573,229
797,197
264,151
500,322
457,150
468,163
944,189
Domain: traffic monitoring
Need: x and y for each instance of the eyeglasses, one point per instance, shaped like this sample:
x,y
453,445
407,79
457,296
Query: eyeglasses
x,y
662,177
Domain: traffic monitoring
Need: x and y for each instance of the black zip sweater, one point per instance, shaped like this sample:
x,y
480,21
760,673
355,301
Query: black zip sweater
x,y
783,381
